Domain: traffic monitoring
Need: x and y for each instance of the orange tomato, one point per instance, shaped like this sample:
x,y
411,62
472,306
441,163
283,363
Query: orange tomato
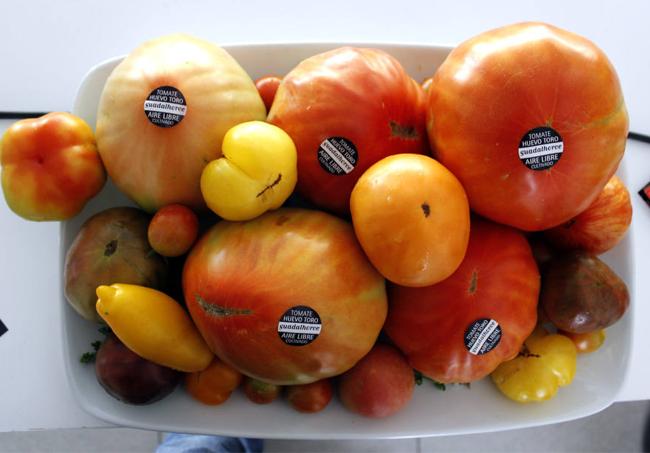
x,y
586,342
215,384
532,121
411,216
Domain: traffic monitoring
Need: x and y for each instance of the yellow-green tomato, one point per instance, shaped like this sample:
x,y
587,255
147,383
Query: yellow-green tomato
x,y
257,172
547,363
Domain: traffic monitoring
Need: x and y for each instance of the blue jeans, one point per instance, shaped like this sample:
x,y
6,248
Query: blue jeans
x,y
194,443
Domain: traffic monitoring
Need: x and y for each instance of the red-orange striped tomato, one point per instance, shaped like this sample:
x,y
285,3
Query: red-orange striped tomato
x,y
286,298
599,227
50,166
461,329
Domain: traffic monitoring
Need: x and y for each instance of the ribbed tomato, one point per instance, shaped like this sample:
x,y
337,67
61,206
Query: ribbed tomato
x,y
461,329
599,227
531,119
346,109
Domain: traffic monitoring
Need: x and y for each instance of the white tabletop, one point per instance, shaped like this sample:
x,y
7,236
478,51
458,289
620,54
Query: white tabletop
x,y
47,47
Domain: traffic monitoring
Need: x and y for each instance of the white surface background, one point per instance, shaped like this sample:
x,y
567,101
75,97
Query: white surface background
x,y
47,47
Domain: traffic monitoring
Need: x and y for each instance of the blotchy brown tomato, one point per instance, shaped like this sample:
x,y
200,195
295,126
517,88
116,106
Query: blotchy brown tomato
x,y
531,119
580,293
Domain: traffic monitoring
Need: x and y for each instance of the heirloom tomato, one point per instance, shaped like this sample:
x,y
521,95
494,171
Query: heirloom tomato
x,y
546,362
50,166
267,86
599,227
461,329
379,385
531,119
214,384
310,398
173,230
287,298
580,293
163,114
415,234
346,109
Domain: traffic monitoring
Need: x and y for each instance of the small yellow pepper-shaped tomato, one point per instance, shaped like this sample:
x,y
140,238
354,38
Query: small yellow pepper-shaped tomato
x,y
154,326
50,166
547,362
258,172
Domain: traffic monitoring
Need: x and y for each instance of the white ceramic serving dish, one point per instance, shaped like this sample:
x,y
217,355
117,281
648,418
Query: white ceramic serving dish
x,y
432,412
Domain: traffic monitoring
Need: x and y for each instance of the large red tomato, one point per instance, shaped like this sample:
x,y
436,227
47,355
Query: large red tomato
x,y
287,298
532,121
461,329
346,109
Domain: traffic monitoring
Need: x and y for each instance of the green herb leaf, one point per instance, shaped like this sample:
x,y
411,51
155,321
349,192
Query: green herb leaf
x,y
439,385
88,357
104,330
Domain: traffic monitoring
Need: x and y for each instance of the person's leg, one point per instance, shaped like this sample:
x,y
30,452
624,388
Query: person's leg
x,y
194,443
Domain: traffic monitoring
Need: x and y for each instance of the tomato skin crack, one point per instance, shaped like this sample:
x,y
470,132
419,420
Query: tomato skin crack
x,y
273,184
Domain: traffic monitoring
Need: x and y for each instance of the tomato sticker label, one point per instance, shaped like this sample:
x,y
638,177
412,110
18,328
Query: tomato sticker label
x,y
337,155
540,148
165,106
482,336
299,326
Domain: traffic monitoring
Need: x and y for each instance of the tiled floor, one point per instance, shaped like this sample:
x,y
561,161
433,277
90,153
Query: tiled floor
x,y
617,429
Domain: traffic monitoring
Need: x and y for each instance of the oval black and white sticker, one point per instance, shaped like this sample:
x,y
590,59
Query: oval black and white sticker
x,y
541,148
337,155
165,106
299,326
482,336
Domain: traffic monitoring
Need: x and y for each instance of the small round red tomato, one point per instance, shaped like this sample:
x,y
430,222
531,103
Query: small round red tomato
x,y
379,385
586,342
215,384
599,227
267,86
260,392
310,398
173,230
346,109
532,121
415,234
461,329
